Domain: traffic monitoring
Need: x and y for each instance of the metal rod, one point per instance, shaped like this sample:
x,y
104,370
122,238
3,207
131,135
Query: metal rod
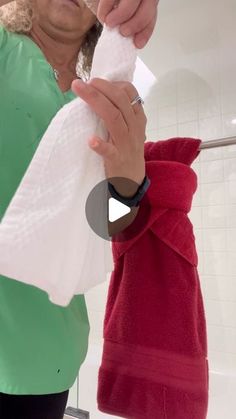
x,y
221,142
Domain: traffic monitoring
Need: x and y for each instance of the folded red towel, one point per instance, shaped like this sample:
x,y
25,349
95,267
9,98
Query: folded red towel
x,y
154,363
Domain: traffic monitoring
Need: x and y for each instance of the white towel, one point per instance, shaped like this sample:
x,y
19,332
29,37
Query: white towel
x,y
45,239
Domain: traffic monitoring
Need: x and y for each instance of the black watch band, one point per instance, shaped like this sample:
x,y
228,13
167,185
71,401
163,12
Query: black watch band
x,y
134,200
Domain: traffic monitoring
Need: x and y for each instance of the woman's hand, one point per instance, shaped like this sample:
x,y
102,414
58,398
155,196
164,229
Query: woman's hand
x,y
137,18
123,154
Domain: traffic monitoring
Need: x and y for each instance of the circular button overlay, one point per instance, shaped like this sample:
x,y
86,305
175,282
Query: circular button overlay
x,y
112,219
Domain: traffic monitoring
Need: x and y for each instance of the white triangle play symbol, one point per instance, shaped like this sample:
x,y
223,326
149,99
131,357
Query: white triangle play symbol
x,y
117,210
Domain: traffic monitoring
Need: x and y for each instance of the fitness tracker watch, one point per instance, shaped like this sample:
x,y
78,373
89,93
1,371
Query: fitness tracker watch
x,y
134,200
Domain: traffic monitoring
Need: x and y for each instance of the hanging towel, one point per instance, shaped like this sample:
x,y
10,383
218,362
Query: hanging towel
x,y
45,239
154,363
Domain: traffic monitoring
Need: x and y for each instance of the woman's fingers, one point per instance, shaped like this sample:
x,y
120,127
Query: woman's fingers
x,y
111,104
104,8
124,10
123,153
103,107
121,95
141,19
142,37
135,17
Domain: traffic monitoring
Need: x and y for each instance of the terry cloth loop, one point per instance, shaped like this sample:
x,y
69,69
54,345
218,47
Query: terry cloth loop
x,y
172,185
170,195
176,230
183,150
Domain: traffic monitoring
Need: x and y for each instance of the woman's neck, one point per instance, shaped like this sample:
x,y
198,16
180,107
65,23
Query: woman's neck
x,y
61,53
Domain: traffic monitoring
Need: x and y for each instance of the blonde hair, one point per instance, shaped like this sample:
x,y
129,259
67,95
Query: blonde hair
x,y
17,17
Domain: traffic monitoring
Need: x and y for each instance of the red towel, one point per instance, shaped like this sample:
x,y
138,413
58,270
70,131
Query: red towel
x,y
154,363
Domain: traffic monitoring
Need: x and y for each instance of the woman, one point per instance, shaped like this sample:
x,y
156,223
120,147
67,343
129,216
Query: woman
x,y
43,345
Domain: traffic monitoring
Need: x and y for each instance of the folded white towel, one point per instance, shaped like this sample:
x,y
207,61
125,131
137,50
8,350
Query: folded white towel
x,y
45,239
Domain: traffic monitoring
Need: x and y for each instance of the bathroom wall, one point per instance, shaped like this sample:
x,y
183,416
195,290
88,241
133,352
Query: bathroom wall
x,y
196,96
192,54
214,218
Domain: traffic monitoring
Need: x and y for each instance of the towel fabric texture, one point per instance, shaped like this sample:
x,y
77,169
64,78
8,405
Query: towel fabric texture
x,y
154,363
44,230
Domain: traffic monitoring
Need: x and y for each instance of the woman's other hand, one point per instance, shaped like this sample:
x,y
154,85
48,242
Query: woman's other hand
x,y
137,18
123,153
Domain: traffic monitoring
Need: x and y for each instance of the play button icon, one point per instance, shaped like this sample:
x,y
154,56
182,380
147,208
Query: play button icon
x,y
110,218
117,210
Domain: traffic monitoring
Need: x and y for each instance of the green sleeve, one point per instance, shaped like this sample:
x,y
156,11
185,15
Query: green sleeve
x,y
3,36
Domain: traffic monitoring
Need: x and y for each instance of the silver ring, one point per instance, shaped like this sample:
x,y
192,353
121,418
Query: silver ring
x,y
137,99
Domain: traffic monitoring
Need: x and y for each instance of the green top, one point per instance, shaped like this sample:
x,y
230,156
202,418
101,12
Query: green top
x,y
42,345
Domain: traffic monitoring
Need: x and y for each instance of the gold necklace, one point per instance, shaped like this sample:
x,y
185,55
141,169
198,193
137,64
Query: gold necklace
x,y
57,74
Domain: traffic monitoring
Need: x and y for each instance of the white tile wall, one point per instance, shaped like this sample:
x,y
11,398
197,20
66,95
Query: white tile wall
x,y
220,288
216,244
73,396
214,218
96,303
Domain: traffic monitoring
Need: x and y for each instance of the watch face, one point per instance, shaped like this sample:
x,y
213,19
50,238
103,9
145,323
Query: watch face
x,y
116,217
